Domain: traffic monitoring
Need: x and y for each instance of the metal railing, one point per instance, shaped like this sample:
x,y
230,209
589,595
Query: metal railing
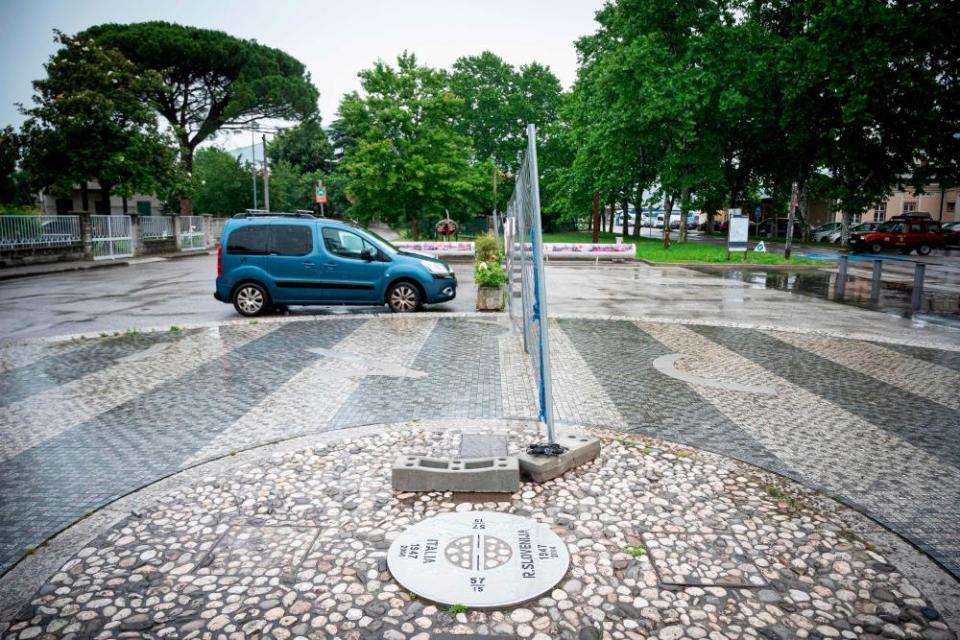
x,y
157,227
192,233
19,231
112,237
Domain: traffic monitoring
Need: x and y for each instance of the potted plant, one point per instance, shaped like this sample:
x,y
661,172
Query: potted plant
x,y
490,278
488,273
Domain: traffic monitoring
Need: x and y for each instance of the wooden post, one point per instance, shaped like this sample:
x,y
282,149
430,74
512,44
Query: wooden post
x,y
794,197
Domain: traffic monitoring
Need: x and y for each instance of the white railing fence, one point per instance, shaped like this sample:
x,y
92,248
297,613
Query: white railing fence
x,y
39,231
157,227
192,233
112,237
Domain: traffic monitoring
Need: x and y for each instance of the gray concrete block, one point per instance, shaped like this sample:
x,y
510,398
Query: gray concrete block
x,y
481,475
581,449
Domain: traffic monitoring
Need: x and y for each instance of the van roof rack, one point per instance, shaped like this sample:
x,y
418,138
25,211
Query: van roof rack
x,y
919,215
259,213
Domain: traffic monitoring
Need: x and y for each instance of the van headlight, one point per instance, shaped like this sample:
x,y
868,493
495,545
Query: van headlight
x,y
436,268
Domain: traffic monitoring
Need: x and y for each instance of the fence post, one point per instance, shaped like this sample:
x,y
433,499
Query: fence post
x,y
919,270
875,283
841,287
136,234
176,230
86,234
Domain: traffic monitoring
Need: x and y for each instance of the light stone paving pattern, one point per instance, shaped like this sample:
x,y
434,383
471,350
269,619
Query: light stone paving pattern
x,y
61,408
293,545
867,434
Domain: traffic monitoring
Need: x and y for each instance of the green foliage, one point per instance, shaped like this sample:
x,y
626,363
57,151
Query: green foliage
x,y
208,79
489,274
305,146
497,102
486,249
406,163
222,185
636,551
457,608
88,122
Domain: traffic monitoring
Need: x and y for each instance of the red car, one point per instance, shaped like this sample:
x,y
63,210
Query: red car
x,y
906,233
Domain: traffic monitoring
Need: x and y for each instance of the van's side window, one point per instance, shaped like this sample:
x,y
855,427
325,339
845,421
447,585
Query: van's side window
x,y
291,240
248,241
344,244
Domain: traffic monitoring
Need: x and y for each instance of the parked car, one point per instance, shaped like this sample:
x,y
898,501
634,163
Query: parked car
x,y
863,227
951,234
777,228
266,261
906,233
824,231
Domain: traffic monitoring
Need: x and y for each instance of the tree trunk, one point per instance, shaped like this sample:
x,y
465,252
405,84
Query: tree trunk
x,y
639,219
684,207
613,213
626,216
414,229
106,193
186,163
845,229
667,209
126,209
791,213
84,196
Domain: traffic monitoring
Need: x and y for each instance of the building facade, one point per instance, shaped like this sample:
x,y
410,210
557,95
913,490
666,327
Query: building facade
x,y
51,204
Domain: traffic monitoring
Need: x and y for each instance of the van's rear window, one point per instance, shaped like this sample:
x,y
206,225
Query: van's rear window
x,y
248,241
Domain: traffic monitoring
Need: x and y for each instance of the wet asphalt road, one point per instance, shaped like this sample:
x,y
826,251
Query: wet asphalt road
x,y
149,293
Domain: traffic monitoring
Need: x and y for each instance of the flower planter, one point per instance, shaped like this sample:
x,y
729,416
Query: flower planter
x,y
490,298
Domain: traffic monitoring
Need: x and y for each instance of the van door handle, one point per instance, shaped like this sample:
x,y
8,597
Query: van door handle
x,y
308,264
330,265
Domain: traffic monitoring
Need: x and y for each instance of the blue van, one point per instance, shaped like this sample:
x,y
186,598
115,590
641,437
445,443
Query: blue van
x,y
269,261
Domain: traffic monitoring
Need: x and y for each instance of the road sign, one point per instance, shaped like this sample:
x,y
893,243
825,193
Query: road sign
x,y
478,559
320,194
757,212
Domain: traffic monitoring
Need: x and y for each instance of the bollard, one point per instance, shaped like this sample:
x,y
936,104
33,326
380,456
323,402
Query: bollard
x,y
918,272
841,287
875,285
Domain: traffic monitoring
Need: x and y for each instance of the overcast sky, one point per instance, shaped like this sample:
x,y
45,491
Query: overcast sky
x,y
333,38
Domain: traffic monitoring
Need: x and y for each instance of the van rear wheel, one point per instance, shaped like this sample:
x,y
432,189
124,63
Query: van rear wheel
x,y
924,250
403,297
250,299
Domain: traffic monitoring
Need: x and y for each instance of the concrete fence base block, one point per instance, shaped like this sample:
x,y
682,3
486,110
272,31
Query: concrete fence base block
x,y
480,475
581,449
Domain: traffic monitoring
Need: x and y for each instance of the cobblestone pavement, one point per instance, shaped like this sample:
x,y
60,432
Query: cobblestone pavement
x,y
84,422
663,541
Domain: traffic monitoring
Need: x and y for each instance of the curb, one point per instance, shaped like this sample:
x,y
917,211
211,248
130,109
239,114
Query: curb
x,y
720,266
84,266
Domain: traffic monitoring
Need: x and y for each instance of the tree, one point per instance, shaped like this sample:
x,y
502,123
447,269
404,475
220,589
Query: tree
x,y
497,102
305,146
406,163
222,184
13,191
209,80
89,123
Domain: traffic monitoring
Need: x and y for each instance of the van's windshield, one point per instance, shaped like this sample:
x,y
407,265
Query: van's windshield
x,y
386,245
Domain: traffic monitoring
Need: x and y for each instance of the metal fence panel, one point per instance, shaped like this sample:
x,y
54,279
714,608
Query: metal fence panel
x,y
157,227
193,233
524,237
112,237
18,231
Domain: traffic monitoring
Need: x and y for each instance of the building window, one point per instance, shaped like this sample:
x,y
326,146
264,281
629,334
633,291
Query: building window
x,y
951,207
909,207
880,214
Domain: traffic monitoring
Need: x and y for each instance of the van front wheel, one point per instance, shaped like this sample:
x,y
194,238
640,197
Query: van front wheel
x,y
250,299
403,297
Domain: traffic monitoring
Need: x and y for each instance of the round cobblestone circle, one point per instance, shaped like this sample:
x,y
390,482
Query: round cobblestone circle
x,y
664,542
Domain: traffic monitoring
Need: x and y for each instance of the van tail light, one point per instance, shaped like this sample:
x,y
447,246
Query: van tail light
x,y
219,261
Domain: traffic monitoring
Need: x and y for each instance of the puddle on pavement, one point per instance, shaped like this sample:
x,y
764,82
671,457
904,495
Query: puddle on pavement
x,y
895,298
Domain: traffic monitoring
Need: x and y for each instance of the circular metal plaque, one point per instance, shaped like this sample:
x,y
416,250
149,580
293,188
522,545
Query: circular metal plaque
x,y
478,559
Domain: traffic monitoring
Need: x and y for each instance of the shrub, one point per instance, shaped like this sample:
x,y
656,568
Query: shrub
x,y
489,274
486,249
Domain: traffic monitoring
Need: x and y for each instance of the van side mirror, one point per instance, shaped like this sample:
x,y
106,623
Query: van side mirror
x,y
368,254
